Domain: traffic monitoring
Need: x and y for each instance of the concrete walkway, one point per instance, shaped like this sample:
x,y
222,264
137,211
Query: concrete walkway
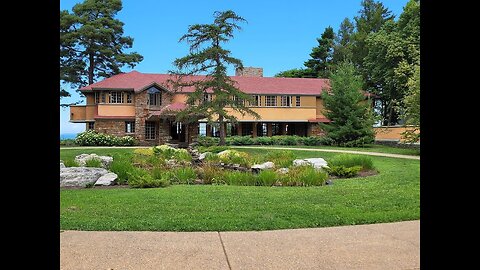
x,y
333,151
375,246
273,147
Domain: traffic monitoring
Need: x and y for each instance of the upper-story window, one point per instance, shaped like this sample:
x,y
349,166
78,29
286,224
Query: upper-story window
x,y
255,101
129,97
207,97
286,101
116,97
103,97
97,97
154,97
270,100
297,103
238,101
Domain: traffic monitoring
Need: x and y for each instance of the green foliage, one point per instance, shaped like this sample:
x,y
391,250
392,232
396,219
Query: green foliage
x,y
70,163
282,159
207,141
184,175
342,48
344,172
89,185
168,152
349,160
211,174
142,179
352,120
235,157
412,108
92,44
213,149
304,176
207,56
264,140
237,178
267,178
93,138
240,140
67,142
321,56
295,73
121,167
94,163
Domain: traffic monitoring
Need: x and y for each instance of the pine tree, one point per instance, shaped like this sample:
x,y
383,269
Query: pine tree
x,y
321,56
345,106
207,56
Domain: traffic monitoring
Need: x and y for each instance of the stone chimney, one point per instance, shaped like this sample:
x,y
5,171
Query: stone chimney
x,y
249,72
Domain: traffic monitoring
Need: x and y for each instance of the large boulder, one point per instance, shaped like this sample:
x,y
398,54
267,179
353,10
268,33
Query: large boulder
x,y
80,176
202,156
107,179
256,168
317,163
82,159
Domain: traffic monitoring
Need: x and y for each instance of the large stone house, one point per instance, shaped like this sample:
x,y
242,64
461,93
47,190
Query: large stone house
x,y
141,105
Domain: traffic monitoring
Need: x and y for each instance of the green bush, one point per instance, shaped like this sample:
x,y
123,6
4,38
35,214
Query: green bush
x,y
93,138
235,157
143,179
94,163
210,174
282,159
344,172
67,142
182,155
70,163
121,167
267,178
239,140
237,178
207,141
185,175
304,176
213,149
361,142
263,140
349,160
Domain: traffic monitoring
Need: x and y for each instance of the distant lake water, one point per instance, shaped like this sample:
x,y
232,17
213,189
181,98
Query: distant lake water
x,y
64,136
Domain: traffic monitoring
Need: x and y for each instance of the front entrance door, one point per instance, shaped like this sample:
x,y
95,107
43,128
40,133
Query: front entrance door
x,y
177,131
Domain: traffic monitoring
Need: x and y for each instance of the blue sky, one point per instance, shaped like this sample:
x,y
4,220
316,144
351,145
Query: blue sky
x,y
279,34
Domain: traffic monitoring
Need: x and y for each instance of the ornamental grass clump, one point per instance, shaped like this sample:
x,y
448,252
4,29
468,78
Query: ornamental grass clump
x,y
349,160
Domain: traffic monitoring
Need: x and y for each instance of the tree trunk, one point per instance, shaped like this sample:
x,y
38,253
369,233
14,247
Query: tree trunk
x,y
91,67
222,130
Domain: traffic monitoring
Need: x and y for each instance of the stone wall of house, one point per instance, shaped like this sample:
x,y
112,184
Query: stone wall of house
x,y
315,130
249,72
110,126
192,132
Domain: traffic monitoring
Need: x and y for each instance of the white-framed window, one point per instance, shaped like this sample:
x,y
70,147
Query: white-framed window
x,y
256,101
202,129
149,130
155,99
129,97
116,97
270,101
97,97
286,101
130,127
297,103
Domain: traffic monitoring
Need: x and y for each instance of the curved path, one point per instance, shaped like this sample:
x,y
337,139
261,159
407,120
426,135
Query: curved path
x,y
274,147
375,246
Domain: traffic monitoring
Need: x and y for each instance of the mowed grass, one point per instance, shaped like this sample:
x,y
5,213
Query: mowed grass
x,y
392,195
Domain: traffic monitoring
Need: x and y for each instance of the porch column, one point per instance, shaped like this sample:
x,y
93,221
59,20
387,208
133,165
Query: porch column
x,y
282,129
269,129
239,129
254,129
309,129
209,130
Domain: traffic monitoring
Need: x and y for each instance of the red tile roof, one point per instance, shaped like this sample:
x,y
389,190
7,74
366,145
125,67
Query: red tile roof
x,y
320,120
137,81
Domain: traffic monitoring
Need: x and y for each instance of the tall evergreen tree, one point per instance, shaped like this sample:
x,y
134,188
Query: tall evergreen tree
x,y
320,62
352,118
92,43
342,48
295,73
207,56
412,107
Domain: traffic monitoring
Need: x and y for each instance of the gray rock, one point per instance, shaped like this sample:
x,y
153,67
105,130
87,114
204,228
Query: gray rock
x,y
317,163
80,176
202,156
62,165
82,159
106,179
283,170
264,166
329,182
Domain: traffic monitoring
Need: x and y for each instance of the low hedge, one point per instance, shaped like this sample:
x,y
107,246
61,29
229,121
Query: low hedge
x,y
93,138
274,140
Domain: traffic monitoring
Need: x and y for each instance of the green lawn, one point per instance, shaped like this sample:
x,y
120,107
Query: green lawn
x,y
392,195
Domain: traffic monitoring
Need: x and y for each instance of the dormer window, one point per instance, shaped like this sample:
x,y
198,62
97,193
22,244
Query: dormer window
x,y
154,97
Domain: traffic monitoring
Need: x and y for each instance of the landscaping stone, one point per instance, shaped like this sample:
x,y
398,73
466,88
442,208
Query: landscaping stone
x,y
202,156
62,165
107,179
256,168
283,170
329,182
80,176
317,163
82,159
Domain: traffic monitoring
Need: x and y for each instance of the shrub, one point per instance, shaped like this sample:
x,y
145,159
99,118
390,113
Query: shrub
x,y
286,140
358,142
207,141
304,176
344,172
93,162
165,151
239,140
186,175
142,179
237,178
182,155
67,142
212,158
348,160
93,138
235,157
267,178
143,151
280,158
121,167
264,140
70,163
210,174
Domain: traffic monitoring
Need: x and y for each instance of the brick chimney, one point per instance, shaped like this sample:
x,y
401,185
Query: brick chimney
x,y
249,72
